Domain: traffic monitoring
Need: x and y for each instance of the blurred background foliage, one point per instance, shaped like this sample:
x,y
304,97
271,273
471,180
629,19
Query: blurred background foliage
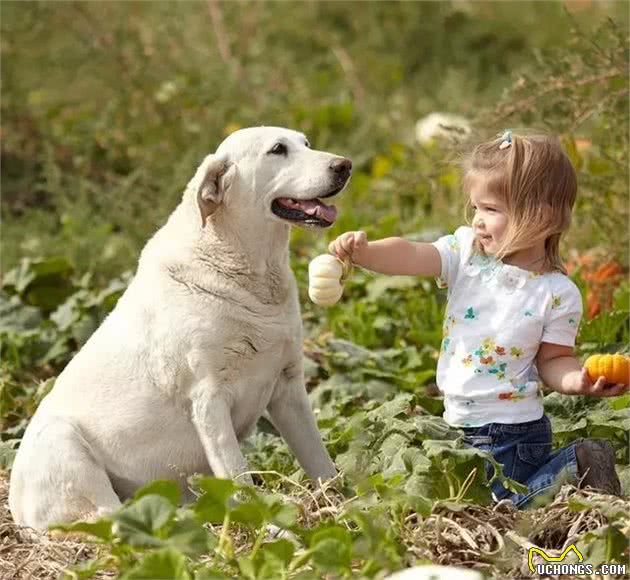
x,y
107,108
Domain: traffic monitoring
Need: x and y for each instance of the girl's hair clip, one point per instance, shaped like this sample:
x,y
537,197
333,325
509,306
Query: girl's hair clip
x,y
506,140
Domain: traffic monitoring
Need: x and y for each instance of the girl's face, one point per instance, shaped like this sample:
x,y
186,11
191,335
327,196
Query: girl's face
x,y
490,220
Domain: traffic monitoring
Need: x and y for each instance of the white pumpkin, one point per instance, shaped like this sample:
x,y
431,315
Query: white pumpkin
x,y
325,273
435,572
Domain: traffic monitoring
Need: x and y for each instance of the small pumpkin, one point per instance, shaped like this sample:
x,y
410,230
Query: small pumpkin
x,y
326,274
615,367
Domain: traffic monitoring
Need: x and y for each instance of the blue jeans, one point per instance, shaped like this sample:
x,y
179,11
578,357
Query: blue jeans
x,y
524,449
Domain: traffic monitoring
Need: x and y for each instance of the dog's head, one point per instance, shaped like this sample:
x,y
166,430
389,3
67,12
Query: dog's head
x,y
273,173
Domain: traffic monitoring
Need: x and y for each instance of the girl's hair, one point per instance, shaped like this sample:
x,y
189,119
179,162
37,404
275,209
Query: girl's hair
x,y
537,183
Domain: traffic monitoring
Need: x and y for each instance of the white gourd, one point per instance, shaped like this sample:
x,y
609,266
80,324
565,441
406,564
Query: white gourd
x,y
436,572
324,279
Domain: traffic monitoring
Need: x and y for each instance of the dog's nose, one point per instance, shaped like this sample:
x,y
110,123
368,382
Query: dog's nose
x,y
341,166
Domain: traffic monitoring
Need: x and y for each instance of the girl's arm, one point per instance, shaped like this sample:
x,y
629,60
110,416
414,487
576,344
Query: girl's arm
x,y
562,372
395,256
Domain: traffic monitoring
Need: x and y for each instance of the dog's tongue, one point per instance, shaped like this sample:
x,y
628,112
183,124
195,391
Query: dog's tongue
x,y
312,207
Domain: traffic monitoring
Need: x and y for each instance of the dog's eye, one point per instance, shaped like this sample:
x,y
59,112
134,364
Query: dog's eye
x,y
279,149
307,144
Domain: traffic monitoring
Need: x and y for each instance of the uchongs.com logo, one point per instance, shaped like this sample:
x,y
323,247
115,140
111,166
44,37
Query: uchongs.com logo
x,y
555,565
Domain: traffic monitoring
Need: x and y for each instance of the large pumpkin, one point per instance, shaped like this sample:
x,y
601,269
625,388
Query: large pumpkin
x,y
615,367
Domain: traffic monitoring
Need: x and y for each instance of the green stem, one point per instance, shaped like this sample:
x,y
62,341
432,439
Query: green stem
x,y
300,561
451,489
259,540
467,483
224,533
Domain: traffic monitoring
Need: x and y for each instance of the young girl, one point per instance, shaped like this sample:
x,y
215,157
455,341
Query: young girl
x,y
512,314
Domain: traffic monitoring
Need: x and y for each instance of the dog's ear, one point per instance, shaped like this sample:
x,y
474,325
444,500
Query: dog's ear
x,y
211,181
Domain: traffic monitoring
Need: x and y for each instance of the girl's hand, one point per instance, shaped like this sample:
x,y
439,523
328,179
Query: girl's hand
x,y
599,388
349,245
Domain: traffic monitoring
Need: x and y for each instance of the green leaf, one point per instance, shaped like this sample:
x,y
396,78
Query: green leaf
x,y
283,550
431,427
332,548
610,418
166,488
270,562
347,354
83,329
618,403
111,293
68,313
604,544
562,425
271,568
399,406
433,405
421,505
212,505
88,569
206,573
283,515
384,284
607,327
139,524
165,564
378,541
16,316
247,567
624,478
30,270
188,536
8,451
252,512
100,529
44,282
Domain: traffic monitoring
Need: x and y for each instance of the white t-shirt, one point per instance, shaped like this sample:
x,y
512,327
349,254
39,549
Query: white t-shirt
x,y
496,317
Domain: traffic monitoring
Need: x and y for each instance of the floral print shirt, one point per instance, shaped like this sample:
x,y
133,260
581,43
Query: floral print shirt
x,y
496,318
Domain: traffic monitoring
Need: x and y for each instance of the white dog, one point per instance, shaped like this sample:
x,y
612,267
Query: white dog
x,y
205,339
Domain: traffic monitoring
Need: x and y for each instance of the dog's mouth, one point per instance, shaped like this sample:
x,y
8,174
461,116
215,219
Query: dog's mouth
x,y
310,212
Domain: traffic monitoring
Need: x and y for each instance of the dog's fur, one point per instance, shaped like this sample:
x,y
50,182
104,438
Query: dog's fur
x,y
205,339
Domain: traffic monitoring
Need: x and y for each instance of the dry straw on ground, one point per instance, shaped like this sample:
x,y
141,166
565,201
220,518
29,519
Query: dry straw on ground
x,y
28,555
493,540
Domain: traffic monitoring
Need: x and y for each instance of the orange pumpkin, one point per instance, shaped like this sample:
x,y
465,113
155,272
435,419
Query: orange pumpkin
x,y
615,367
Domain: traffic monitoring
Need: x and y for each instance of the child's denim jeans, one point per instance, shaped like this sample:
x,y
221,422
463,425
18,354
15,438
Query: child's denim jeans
x,y
524,449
